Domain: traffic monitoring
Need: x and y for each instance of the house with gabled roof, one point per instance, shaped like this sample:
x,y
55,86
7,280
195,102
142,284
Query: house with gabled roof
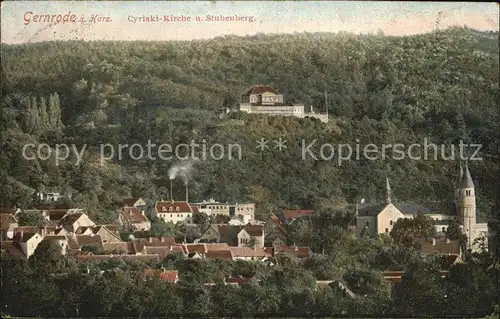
x,y
251,234
131,218
171,276
174,211
247,253
225,254
290,215
236,221
275,232
7,224
74,220
135,202
119,248
28,242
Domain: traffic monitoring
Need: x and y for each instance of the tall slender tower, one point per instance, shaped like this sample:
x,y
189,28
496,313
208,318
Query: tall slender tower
x,y
467,205
388,191
457,186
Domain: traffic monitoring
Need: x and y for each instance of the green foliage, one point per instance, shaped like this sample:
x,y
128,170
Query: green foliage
x,y
410,231
31,218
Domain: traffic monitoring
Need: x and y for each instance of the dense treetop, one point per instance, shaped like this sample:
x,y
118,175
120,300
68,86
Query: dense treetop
x,y
442,86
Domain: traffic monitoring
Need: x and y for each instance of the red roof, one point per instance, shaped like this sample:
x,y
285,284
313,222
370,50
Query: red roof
x,y
70,219
293,214
83,240
220,254
259,89
299,252
166,275
443,247
196,248
55,215
134,215
161,251
129,202
196,209
254,230
123,248
248,252
174,207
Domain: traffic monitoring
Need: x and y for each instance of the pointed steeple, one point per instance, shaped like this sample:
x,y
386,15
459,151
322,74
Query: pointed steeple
x,y
460,174
466,181
388,190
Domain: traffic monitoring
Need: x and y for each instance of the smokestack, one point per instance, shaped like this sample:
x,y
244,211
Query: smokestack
x,y
171,191
187,197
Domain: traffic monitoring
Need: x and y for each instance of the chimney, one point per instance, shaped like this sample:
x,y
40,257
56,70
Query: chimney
x,y
447,240
433,241
171,192
162,239
150,239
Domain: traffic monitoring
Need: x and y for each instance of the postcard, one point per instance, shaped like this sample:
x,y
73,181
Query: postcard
x,y
249,159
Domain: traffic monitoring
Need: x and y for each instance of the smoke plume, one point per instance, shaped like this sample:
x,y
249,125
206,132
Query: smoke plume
x,y
182,170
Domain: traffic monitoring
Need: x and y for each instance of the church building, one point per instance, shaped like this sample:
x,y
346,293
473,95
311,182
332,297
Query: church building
x,y
380,218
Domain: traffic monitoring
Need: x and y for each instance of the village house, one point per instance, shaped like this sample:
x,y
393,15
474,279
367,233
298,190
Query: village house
x,y
247,253
441,246
107,236
132,219
8,223
275,232
251,235
294,251
28,242
263,99
233,235
171,276
236,221
74,220
246,211
290,215
174,212
139,203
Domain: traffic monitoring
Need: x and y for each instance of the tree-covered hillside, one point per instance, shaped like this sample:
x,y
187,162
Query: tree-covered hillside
x,y
441,86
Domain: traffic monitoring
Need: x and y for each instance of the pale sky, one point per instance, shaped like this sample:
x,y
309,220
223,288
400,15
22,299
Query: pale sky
x,y
394,18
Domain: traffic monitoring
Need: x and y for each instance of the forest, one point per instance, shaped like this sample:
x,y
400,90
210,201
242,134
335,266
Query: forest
x,y
442,86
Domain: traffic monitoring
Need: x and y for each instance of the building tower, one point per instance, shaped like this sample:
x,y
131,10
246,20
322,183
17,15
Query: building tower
x,y
388,191
467,205
457,186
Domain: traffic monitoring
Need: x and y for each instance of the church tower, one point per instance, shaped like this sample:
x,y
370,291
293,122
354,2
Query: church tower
x,y
388,191
467,205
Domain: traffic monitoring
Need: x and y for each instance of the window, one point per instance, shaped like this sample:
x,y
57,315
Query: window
x,y
390,222
443,229
171,208
182,215
177,209
386,230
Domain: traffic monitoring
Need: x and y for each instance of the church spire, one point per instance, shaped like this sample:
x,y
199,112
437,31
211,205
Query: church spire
x,y
388,190
460,174
466,180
